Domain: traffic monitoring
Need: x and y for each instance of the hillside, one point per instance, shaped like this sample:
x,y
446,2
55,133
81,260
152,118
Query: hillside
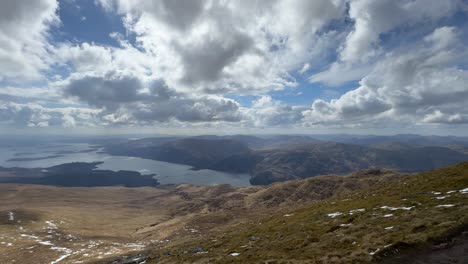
x,y
282,158
371,215
336,158
196,152
411,219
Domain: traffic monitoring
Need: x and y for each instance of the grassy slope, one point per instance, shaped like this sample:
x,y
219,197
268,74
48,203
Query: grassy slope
x,y
308,235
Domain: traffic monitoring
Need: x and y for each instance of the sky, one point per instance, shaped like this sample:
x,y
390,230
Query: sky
x,y
226,66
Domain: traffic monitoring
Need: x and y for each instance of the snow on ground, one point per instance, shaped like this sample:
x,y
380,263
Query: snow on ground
x,y
445,205
234,254
29,236
357,211
67,252
51,224
396,208
11,216
54,241
333,215
372,253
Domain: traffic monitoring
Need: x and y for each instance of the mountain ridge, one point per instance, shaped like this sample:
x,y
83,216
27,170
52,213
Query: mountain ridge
x,y
282,158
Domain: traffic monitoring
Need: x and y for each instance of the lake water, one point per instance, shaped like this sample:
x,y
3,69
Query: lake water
x,y
166,173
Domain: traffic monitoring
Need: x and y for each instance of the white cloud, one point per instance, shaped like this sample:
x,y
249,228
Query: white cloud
x,y
363,48
304,68
190,56
267,112
339,73
34,115
24,46
230,47
420,85
125,99
372,18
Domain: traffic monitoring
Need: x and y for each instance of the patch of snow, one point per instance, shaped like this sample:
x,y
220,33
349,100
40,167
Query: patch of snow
x,y
11,216
464,191
449,192
67,252
445,205
373,252
357,211
29,236
51,224
396,208
127,245
436,193
333,215
388,215
389,228
288,215
9,245
45,243
442,197
235,254
343,225
71,237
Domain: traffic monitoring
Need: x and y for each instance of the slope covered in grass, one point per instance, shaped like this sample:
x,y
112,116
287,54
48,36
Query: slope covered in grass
x,y
377,224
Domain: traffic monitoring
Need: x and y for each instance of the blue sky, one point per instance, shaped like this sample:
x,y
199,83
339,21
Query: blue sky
x,y
276,66
83,21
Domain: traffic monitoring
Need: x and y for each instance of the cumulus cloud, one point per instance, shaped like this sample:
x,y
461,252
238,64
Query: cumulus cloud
x,y
108,91
363,47
166,104
179,62
24,45
373,18
267,112
422,84
88,58
124,99
230,47
34,115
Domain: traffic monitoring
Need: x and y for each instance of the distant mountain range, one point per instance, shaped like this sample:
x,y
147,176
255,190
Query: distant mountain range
x,y
279,158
